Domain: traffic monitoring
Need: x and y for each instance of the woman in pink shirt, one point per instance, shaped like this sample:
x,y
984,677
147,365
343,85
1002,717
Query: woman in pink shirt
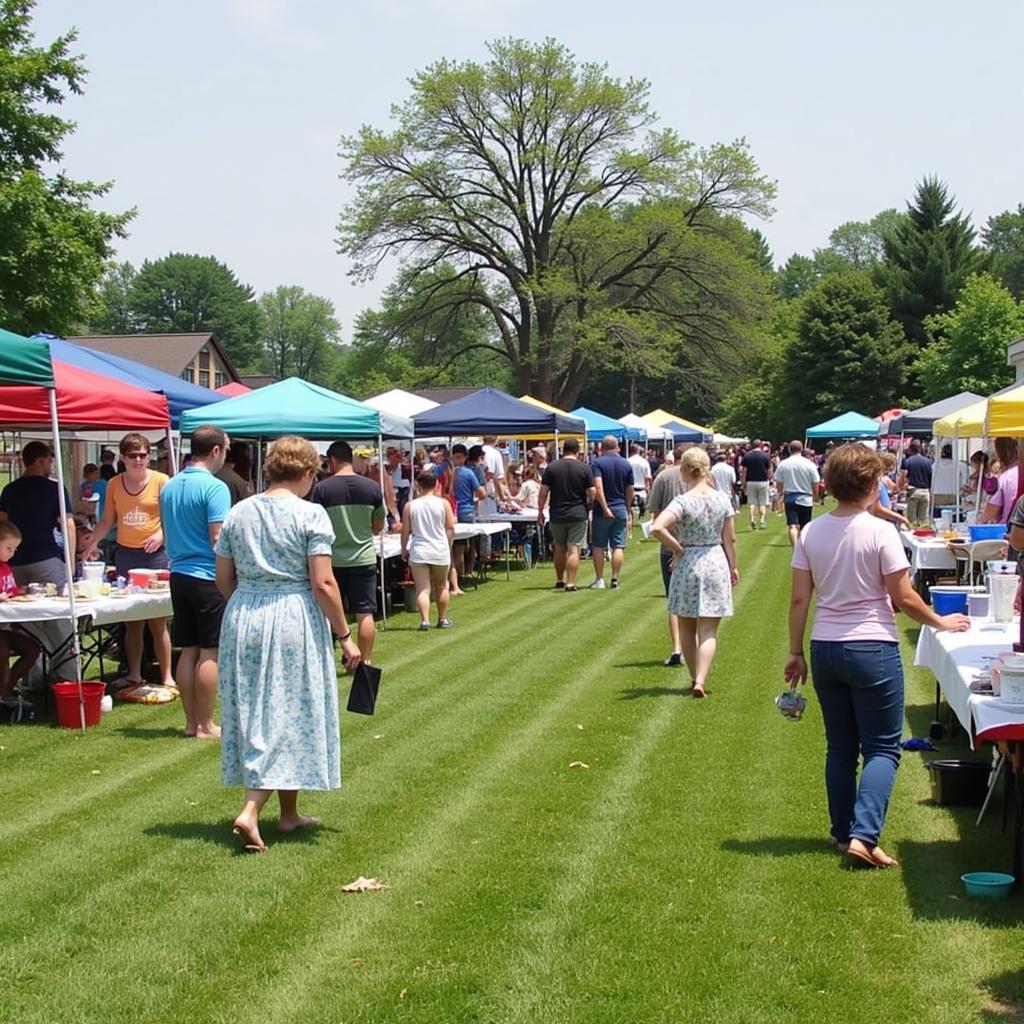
x,y
857,565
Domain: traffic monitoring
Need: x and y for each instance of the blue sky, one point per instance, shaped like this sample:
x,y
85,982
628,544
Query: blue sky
x,y
219,119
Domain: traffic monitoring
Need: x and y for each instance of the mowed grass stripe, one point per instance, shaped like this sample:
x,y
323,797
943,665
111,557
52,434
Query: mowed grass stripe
x,y
609,610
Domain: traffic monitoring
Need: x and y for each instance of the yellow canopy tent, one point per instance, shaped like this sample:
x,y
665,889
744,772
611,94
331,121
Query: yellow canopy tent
x,y
1000,415
1006,413
547,408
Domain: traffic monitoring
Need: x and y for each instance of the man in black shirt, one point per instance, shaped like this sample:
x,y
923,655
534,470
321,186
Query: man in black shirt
x,y
570,486
755,478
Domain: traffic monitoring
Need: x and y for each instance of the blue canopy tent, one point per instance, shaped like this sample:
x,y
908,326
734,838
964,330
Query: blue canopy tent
x,y
848,426
682,434
180,394
599,426
490,411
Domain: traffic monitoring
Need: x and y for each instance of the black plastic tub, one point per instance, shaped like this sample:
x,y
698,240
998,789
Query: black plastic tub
x,y
959,783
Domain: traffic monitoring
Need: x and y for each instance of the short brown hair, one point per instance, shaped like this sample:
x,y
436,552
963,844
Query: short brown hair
x,y
291,458
852,472
132,443
8,531
206,438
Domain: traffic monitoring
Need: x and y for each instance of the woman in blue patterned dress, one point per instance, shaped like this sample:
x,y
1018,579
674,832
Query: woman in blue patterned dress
x,y
278,683
697,527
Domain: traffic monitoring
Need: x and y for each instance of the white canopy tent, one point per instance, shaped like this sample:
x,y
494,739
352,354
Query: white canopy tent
x,y
653,433
400,403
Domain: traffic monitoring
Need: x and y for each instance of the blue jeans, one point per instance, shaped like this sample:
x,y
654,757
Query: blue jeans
x,y
859,684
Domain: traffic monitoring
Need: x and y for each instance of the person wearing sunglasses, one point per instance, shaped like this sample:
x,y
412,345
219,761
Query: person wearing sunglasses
x,y
133,508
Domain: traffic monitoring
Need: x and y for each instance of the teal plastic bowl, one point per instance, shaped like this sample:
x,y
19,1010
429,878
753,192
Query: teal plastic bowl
x,y
988,885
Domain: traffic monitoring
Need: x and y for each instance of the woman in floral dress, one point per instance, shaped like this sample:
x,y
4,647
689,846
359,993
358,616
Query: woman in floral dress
x,y
697,527
278,683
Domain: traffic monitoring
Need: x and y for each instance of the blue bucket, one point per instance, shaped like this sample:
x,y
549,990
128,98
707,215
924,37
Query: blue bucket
x,y
986,531
946,603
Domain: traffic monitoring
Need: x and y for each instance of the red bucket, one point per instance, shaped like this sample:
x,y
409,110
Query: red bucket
x,y
68,714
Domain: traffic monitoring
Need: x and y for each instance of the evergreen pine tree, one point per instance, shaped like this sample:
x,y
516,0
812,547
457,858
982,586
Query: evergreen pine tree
x,y
929,255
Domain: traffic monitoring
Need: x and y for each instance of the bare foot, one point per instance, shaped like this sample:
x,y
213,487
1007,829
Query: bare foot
x,y
698,690
457,593
209,732
290,824
248,831
872,856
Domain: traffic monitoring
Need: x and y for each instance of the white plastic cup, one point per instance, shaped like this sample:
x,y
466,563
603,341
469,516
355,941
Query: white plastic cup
x,y
106,703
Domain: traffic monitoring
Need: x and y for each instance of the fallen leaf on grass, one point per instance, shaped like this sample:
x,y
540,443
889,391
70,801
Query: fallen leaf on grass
x,y
379,736
363,885
401,995
419,903
95,771
191,803
580,727
356,962
578,764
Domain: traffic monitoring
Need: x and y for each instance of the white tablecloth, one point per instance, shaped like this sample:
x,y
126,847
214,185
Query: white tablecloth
x,y
955,658
927,553
392,542
103,611
528,517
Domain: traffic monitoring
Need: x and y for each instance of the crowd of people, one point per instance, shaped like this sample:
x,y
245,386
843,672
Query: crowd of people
x,y
263,585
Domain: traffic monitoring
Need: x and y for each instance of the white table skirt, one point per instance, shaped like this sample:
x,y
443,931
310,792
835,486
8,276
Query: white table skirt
x,y
925,553
391,543
103,611
955,658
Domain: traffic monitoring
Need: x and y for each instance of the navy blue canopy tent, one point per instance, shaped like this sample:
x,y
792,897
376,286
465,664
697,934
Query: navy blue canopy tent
x,y
179,393
919,421
682,434
490,411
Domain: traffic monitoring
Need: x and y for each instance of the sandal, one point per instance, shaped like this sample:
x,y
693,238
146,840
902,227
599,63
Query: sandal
x,y
861,855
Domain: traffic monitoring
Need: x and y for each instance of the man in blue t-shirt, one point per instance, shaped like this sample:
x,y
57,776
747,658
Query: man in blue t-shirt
x,y
193,506
613,480
468,489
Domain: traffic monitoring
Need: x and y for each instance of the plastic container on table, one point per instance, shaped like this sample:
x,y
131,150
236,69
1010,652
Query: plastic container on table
x,y
1003,590
986,531
978,606
93,570
1011,684
949,598
142,577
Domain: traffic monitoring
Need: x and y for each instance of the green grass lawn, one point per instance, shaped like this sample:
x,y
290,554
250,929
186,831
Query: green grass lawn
x,y
683,876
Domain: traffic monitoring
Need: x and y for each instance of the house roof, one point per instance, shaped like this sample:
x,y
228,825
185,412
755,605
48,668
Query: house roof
x,y
170,353
255,381
442,395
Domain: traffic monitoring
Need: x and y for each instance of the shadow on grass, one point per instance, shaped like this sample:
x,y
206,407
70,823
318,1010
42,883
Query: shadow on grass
x,y
138,732
219,834
636,692
931,874
1003,1001
779,846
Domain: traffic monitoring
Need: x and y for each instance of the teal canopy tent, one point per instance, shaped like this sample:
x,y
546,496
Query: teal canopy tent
x,y
849,425
295,406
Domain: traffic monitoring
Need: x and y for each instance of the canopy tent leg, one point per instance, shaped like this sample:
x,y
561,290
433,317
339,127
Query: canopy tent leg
x,y
69,555
380,536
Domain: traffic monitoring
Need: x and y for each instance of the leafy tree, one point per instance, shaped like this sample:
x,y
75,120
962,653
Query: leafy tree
x,y
53,245
928,257
297,332
848,352
967,350
184,292
855,245
1003,236
859,244
545,185
425,333
113,312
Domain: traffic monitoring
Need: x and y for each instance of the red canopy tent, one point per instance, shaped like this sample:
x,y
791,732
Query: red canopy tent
x,y
233,390
85,400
